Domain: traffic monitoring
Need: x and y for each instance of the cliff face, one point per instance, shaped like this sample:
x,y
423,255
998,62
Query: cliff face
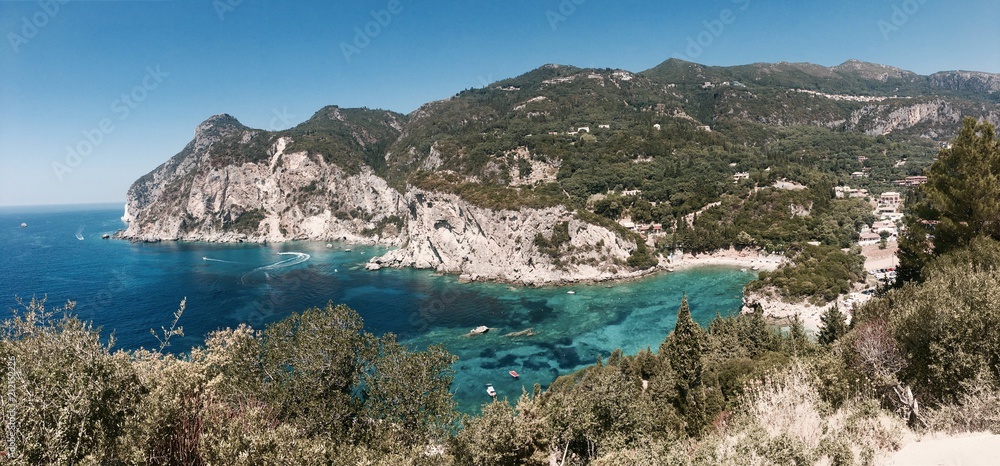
x,y
280,195
284,196
933,117
449,235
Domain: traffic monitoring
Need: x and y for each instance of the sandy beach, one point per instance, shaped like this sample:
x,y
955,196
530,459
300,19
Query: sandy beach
x,y
743,259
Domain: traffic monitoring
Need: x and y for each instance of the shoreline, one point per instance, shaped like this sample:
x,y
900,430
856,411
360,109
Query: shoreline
x,y
747,259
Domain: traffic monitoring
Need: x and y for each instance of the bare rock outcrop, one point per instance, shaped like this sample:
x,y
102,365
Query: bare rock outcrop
x,y
449,235
286,196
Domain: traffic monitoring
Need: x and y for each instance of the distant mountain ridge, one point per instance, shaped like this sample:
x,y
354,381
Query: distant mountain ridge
x,y
501,182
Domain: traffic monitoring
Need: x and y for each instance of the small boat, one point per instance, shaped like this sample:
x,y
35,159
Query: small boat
x,y
480,329
514,374
490,390
570,292
24,225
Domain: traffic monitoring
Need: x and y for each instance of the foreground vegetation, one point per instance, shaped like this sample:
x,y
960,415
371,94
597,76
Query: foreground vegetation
x,y
316,389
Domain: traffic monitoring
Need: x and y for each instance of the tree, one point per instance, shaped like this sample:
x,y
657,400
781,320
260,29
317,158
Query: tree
x,y
834,325
797,338
312,363
683,349
408,390
961,200
498,437
883,239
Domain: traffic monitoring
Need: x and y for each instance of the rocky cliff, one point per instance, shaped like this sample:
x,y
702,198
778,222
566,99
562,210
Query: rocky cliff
x,y
297,195
275,195
524,246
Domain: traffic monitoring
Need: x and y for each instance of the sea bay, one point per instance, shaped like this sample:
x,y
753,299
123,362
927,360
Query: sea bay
x,y
130,288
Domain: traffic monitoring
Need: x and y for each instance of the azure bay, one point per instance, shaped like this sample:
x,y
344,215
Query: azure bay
x,y
129,288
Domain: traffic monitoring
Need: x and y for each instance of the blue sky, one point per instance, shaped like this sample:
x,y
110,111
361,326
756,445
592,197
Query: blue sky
x,y
123,83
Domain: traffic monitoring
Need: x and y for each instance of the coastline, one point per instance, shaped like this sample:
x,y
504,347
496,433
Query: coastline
x,y
748,259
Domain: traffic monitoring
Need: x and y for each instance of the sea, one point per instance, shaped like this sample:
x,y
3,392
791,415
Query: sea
x,y
128,289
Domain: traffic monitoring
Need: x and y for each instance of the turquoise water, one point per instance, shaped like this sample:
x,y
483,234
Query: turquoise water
x,y
129,289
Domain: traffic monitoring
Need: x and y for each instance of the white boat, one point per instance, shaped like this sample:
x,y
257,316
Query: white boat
x,y
480,329
24,225
490,390
570,292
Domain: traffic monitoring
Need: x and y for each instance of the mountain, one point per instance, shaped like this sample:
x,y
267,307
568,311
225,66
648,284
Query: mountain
x,y
530,179
232,183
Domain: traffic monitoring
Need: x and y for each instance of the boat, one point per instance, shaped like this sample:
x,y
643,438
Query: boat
x,y
514,374
480,329
490,390
570,292
24,225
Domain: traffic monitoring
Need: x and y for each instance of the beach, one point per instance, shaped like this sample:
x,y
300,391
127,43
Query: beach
x,y
775,309
748,259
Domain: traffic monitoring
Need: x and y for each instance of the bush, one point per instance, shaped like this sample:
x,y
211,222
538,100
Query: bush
x,y
948,327
68,396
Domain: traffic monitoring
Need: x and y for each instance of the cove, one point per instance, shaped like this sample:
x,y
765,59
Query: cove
x,y
130,288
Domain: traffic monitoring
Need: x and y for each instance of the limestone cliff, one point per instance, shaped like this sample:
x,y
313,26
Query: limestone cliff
x,y
524,246
272,192
279,195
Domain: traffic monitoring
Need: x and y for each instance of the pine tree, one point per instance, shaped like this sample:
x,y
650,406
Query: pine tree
x,y
834,325
797,338
683,349
960,201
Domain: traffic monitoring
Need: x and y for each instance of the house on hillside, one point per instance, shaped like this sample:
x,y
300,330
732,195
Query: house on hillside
x,y
868,237
890,198
886,226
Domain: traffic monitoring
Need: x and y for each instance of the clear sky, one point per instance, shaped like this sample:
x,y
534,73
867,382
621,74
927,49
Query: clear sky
x,y
94,94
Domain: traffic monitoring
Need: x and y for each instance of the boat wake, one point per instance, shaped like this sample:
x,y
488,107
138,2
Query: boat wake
x,y
209,259
296,259
79,233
